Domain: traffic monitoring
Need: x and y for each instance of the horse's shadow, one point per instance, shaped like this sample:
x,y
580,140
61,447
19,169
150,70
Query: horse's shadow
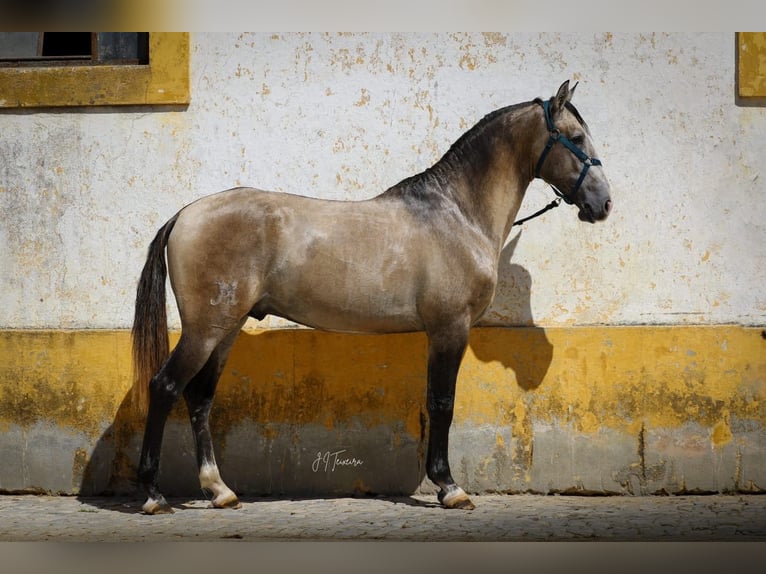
x,y
261,456
514,340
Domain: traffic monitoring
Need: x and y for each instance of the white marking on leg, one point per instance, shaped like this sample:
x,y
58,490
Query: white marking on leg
x,y
210,479
150,506
456,492
455,497
154,506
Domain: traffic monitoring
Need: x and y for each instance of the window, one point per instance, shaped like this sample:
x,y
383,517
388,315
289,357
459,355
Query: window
x,y
51,69
73,48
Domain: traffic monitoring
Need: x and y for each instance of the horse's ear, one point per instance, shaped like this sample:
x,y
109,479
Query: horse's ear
x,y
572,91
561,98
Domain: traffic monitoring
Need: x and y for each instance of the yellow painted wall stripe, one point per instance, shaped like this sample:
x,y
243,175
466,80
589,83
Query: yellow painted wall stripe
x,y
593,377
696,393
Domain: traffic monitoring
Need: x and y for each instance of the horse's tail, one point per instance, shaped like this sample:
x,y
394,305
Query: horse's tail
x,y
150,323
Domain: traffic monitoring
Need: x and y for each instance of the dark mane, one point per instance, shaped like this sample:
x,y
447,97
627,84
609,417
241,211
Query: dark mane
x,y
577,115
425,189
420,186
470,136
467,139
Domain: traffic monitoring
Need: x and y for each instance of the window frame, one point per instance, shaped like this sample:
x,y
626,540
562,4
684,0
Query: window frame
x,y
163,81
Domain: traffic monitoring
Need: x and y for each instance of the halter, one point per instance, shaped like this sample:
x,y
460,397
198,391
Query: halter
x,y
553,137
556,136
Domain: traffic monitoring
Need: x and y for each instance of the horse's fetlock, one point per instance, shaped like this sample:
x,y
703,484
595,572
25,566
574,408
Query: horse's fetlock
x,y
438,472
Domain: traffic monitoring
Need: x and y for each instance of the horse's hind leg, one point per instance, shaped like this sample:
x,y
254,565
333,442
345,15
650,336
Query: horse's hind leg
x,y
189,356
199,400
445,354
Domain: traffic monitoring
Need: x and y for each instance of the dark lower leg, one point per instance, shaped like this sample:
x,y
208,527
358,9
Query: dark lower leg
x,y
164,390
162,397
199,400
443,366
440,419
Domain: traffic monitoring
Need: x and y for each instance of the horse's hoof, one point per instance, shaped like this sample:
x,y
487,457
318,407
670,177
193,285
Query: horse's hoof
x,y
161,506
456,498
463,504
226,501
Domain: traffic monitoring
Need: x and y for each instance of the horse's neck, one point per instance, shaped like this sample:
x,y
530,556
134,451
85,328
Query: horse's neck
x,y
488,179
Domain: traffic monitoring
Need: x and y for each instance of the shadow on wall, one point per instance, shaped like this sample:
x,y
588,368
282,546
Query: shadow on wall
x,y
526,350
308,413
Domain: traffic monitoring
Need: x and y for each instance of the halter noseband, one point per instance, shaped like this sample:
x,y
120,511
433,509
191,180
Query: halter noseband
x,y
556,136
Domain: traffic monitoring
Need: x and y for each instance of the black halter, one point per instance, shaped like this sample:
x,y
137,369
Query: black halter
x,y
556,136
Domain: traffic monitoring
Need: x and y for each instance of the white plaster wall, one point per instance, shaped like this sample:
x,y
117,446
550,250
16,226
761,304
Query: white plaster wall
x,y
345,116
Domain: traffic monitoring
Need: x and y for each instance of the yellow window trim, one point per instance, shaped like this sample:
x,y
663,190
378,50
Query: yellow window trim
x,y
164,81
751,66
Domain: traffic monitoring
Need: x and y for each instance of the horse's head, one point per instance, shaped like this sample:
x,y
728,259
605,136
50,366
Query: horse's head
x,y
567,159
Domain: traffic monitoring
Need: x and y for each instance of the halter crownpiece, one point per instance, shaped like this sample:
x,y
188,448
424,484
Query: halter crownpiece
x,y
556,136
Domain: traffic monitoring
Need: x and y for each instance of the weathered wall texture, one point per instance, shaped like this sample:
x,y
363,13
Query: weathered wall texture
x,y
606,410
345,116
644,370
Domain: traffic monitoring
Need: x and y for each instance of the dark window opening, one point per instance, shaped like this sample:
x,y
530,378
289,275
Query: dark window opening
x,y
66,44
73,48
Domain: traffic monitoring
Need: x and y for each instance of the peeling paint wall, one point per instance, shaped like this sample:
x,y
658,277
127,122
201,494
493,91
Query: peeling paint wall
x,y
600,395
347,115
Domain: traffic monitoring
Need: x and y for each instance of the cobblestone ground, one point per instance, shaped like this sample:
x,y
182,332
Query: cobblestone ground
x,y
416,518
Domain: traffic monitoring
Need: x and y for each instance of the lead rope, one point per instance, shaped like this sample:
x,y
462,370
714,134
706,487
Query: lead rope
x,y
555,203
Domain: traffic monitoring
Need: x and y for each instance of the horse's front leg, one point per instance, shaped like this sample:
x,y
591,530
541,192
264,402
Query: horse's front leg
x,y
445,354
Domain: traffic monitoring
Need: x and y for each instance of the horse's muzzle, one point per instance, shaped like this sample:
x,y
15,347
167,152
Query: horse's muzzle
x,y
593,213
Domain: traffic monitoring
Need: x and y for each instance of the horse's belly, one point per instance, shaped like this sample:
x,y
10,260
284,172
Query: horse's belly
x,y
349,323
345,277
358,312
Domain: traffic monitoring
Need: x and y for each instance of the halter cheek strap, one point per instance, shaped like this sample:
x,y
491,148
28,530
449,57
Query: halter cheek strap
x,y
556,137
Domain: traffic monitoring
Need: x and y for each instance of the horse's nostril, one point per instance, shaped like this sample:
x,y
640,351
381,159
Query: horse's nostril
x,y
608,205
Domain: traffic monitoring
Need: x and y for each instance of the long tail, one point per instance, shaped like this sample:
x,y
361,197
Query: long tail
x,y
150,323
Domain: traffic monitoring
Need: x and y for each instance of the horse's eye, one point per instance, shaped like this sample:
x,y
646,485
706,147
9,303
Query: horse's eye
x,y
578,140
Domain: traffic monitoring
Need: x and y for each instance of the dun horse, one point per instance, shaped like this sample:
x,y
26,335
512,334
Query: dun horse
x,y
421,256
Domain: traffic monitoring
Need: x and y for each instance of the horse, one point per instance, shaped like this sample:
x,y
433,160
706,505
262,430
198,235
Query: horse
x,y
420,256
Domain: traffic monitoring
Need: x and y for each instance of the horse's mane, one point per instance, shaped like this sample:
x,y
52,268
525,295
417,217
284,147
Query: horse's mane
x,y
416,185
469,137
419,186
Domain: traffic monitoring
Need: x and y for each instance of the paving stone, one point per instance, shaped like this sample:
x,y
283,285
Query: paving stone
x,y
416,518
